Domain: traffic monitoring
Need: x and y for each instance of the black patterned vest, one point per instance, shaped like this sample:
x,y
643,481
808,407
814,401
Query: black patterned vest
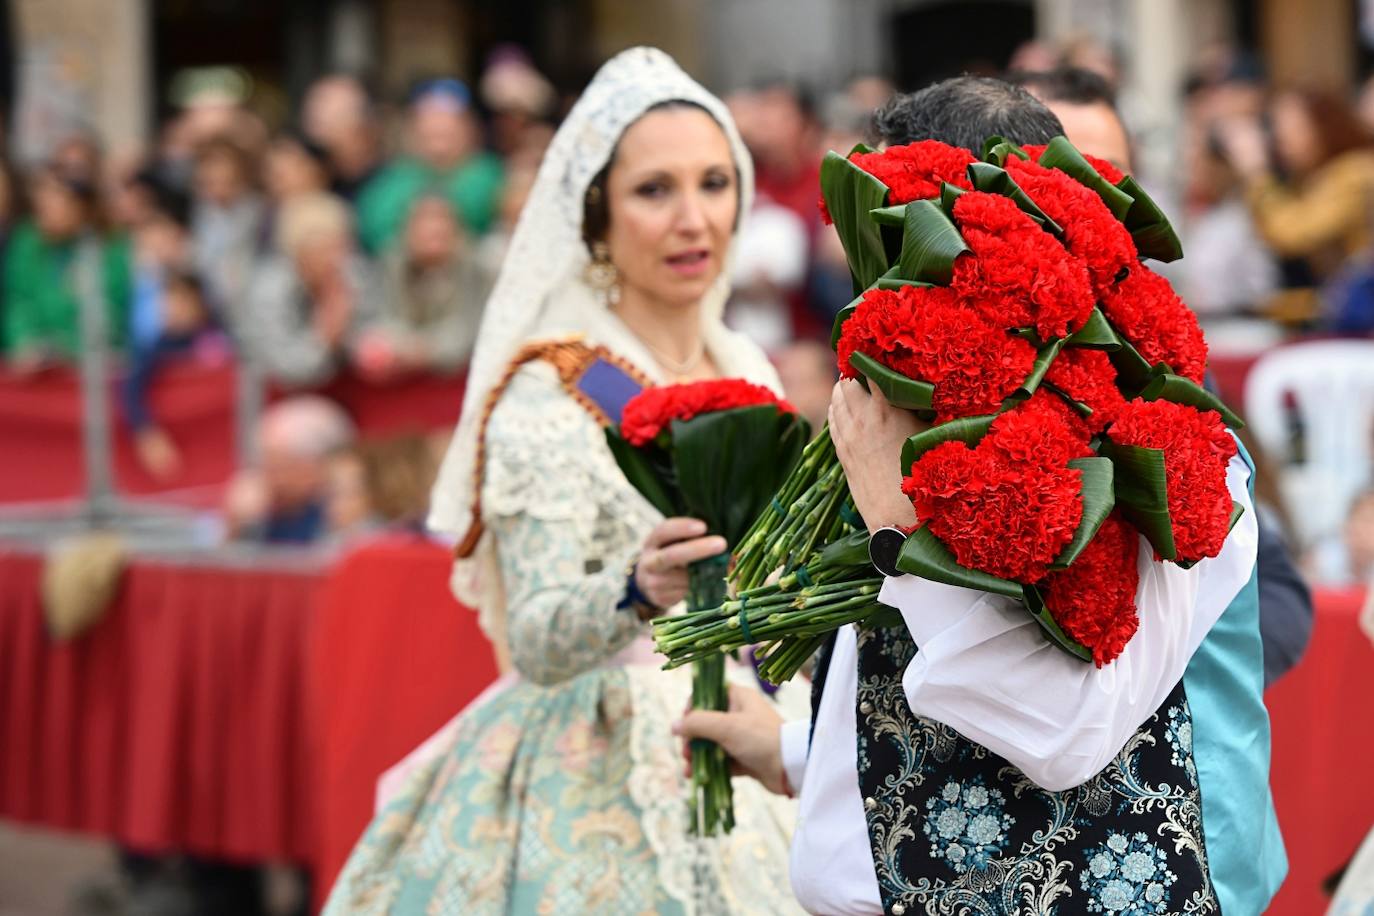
x,y
958,831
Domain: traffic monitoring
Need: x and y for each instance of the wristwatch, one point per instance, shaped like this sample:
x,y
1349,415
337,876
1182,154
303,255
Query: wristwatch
x,y
884,546
634,598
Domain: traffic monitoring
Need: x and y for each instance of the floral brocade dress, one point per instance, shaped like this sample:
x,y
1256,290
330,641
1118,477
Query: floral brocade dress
x,y
563,792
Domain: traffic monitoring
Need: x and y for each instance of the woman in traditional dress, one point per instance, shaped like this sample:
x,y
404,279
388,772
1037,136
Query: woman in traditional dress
x,y
564,792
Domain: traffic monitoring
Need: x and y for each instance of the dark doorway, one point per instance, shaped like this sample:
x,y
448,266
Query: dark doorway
x,y
936,40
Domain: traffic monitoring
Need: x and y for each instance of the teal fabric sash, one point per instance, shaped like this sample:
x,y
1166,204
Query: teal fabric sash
x,y
1225,687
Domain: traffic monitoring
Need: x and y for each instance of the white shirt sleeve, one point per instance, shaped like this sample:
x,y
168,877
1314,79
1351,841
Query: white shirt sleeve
x,y
985,669
795,738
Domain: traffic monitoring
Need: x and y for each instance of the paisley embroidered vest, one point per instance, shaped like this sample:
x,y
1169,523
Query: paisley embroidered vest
x,y
956,829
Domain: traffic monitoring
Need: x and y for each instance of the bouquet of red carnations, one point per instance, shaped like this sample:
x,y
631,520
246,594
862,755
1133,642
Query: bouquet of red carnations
x,y
1002,299
713,450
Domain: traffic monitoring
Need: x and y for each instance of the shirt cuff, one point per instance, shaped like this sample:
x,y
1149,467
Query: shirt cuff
x,y
794,739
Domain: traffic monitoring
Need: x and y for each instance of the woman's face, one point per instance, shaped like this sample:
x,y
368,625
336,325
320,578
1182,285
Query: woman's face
x,y
1295,135
673,198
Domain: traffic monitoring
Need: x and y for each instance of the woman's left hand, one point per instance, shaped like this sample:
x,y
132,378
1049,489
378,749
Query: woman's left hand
x,y
661,572
868,433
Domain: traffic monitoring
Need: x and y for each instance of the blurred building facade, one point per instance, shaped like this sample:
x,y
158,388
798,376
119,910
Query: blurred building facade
x,y
111,64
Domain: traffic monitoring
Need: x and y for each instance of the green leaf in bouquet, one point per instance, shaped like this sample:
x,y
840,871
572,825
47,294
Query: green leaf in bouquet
x,y
997,149
642,474
1083,410
894,216
1142,493
1169,387
996,180
1062,155
930,244
1044,358
837,327
730,463
949,193
850,193
1099,497
895,282
850,550
923,555
1035,604
1096,334
1151,230
1133,371
899,390
969,430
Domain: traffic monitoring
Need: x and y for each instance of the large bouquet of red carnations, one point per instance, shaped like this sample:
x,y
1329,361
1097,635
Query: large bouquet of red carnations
x,y
713,450
1004,300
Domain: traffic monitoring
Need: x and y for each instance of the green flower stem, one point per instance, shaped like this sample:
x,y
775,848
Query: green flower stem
x,y
712,805
698,630
814,617
818,454
757,554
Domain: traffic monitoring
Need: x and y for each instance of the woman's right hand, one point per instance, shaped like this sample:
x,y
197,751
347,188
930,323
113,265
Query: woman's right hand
x,y
661,572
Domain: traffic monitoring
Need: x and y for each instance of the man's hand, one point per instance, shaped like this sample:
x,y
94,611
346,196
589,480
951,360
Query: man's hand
x,y
750,733
868,433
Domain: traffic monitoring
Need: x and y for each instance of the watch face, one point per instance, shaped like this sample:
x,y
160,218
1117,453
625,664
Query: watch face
x,y
883,549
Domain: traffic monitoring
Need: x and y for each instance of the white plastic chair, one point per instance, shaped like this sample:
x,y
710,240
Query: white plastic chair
x,y
1332,387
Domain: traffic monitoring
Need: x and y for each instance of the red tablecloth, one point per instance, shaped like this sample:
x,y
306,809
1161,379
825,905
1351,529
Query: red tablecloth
x,y
178,722
40,427
238,713
1323,739
395,657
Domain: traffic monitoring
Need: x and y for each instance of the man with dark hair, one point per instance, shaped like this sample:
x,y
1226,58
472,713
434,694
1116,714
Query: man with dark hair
x,y
963,764
965,112
1085,104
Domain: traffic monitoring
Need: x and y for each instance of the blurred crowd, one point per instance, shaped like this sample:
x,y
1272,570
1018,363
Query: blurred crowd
x,y
362,236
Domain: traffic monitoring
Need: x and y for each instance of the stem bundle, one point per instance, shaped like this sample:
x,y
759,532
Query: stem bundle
x,y
712,807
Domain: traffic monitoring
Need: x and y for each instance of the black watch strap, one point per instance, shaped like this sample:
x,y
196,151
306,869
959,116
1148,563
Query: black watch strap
x,y
884,546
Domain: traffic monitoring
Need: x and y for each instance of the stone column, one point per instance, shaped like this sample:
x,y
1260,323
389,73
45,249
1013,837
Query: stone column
x,y
82,63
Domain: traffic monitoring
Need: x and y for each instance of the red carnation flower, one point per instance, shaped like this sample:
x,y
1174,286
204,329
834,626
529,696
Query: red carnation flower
x,y
1146,311
1088,377
1196,450
927,334
1048,401
1093,600
1039,432
1016,274
1091,233
1008,506
915,171
652,410
1103,167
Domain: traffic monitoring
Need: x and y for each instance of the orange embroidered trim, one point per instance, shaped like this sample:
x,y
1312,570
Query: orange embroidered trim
x,y
570,358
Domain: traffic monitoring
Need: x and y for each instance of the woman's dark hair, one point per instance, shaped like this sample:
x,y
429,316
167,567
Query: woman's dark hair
x,y
596,208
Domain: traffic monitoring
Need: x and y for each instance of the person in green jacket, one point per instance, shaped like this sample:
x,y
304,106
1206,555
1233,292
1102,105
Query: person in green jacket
x,y
42,314
446,157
